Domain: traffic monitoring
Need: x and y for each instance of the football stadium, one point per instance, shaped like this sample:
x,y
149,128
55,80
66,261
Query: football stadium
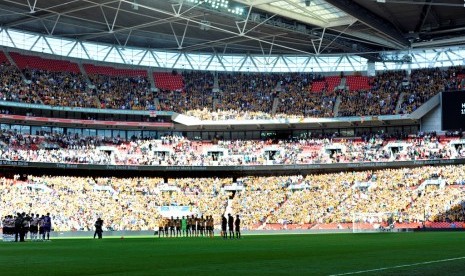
x,y
232,137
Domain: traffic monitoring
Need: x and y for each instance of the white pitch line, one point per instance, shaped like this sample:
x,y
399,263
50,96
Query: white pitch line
x,y
397,266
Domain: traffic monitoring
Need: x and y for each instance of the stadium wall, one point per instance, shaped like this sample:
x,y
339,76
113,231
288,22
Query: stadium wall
x,y
120,234
11,168
432,120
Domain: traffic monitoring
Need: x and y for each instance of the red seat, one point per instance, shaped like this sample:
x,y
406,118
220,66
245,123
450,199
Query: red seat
x,y
3,58
114,72
35,62
168,81
357,83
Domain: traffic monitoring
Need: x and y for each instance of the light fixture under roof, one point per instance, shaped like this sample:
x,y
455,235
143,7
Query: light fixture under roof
x,y
220,5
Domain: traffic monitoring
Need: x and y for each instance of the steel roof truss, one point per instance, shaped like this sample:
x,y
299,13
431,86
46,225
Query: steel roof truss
x,y
142,57
49,46
155,57
305,64
72,48
448,57
108,53
116,16
31,18
55,24
105,18
32,7
34,44
243,62
254,63
189,61
120,55
127,38
350,62
340,33
220,60
177,59
221,29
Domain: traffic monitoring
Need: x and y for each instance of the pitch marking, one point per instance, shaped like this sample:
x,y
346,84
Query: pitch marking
x,y
397,266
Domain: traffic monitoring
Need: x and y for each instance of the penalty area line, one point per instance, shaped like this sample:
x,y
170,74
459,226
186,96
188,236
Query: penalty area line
x,y
397,266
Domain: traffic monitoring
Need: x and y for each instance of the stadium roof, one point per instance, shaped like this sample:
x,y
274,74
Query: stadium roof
x,y
362,27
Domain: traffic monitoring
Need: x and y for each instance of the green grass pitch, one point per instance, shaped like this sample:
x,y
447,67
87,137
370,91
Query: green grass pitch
x,y
430,253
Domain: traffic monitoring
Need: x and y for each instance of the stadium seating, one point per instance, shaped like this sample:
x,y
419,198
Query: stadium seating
x,y
3,58
357,82
168,81
251,152
114,72
35,62
318,86
266,203
333,82
238,95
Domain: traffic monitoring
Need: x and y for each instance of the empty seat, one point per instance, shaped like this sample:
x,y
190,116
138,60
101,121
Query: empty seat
x,y
168,81
114,72
35,62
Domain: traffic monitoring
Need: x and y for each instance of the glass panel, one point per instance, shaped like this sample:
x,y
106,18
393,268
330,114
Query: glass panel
x,y
57,130
89,132
35,130
119,134
347,132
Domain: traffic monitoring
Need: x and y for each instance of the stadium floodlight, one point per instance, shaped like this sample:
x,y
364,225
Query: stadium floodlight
x,y
220,5
237,10
135,5
205,25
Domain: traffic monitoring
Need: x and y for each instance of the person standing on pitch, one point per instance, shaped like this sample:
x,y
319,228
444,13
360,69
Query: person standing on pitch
x,y
231,226
26,223
210,226
178,226
184,226
34,228
161,226
202,222
237,226
166,223
172,224
190,226
47,226
41,227
224,224
18,227
98,228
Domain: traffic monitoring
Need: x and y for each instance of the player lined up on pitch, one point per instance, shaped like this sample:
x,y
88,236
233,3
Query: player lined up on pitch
x,y
186,226
231,224
16,228
195,226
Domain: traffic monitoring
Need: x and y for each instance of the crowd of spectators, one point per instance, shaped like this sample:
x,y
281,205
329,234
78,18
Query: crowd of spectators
x,y
133,203
335,198
267,96
425,83
180,151
223,96
58,88
380,99
297,98
45,87
126,204
197,94
118,92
